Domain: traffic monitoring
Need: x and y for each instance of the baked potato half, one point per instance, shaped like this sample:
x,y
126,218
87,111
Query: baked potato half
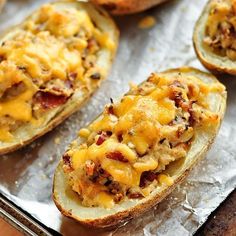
x,y
213,38
122,7
49,66
140,148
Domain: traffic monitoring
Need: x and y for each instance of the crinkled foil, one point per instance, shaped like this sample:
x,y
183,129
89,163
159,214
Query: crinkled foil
x,y
26,175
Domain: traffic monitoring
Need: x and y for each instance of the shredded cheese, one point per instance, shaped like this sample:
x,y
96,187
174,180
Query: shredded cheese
x,y
134,140
54,52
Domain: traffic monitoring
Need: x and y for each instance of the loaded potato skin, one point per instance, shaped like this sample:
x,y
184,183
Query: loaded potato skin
x,y
213,37
49,66
125,161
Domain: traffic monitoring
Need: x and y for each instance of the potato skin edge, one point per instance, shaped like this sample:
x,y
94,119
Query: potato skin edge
x,y
210,65
124,216
125,7
62,116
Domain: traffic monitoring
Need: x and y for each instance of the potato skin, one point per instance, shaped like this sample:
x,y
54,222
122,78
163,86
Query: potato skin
x,y
120,217
80,97
214,63
123,7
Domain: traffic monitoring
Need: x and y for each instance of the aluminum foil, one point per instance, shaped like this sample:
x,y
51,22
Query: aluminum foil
x,y
26,175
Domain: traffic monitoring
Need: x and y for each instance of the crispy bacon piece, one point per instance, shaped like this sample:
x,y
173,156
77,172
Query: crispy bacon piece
x,y
110,110
48,100
67,162
116,155
66,159
176,95
179,100
118,197
191,118
147,176
114,187
103,136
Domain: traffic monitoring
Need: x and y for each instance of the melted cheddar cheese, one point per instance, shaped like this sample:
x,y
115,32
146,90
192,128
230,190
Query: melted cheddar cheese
x,y
127,148
43,62
221,28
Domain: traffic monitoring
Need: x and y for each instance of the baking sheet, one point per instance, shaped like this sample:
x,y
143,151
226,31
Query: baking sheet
x,y
26,175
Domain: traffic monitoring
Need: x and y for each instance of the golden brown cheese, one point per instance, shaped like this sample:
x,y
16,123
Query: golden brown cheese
x,y
126,149
51,55
221,28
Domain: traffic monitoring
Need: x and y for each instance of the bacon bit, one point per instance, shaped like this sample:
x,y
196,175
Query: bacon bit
x,y
114,188
135,195
177,96
191,119
120,137
147,176
116,155
103,173
67,162
109,133
191,90
48,100
179,100
103,136
100,140
108,182
99,175
66,159
89,168
110,110
118,197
